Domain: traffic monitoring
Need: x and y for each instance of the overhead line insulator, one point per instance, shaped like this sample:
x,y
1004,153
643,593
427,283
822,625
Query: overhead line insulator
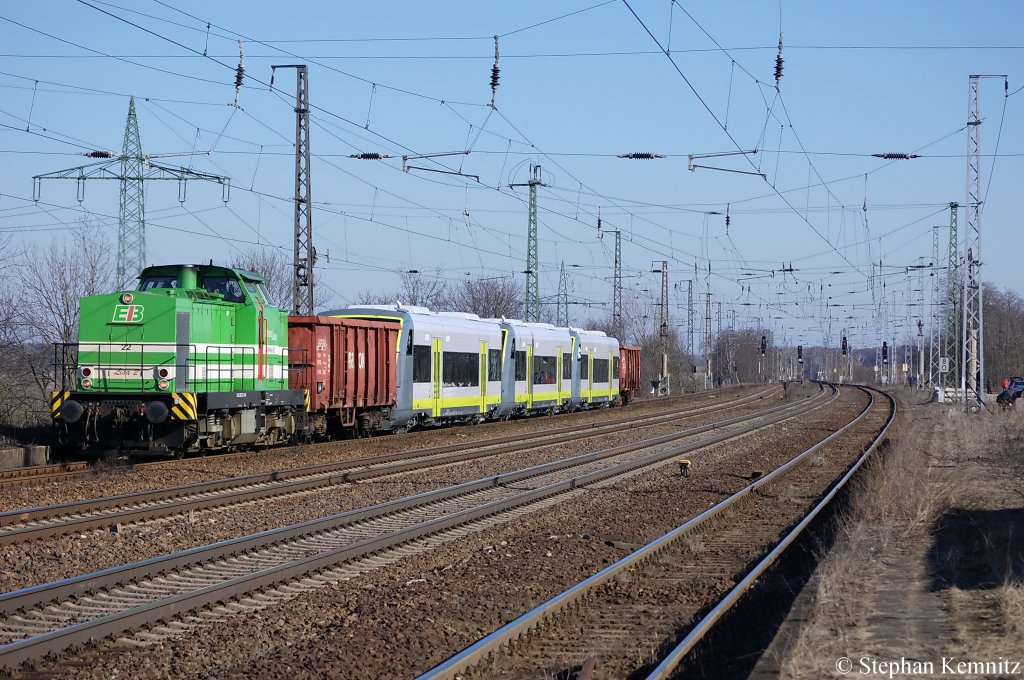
x,y
369,156
778,64
895,156
495,73
641,155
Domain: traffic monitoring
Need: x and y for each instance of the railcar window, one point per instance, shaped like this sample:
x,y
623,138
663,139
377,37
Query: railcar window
x,y
421,364
584,367
566,366
461,369
493,364
600,370
520,358
615,368
544,370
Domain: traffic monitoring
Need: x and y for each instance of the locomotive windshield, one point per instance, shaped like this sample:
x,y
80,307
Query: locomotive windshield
x,y
226,286
152,282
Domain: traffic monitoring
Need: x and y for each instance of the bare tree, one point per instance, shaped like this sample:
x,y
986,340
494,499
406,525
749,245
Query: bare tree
x,y
423,290
50,283
488,298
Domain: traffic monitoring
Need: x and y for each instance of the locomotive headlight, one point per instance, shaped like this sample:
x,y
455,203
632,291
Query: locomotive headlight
x,y
163,384
86,372
163,373
127,298
86,383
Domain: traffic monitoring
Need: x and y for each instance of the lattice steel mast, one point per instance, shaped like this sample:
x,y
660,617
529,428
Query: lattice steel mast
x,y
934,316
531,308
665,378
133,170
954,295
131,223
972,378
616,280
304,253
562,304
689,319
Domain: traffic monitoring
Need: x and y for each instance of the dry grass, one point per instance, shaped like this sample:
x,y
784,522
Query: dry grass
x,y
1010,597
894,503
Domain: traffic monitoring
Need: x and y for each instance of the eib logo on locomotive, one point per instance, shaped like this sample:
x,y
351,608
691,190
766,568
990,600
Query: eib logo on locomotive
x,y
128,313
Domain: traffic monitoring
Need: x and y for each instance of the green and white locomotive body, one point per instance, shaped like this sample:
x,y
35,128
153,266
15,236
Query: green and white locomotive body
x,y
195,358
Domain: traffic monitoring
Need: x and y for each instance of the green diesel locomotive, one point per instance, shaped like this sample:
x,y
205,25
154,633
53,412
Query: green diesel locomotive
x,y
195,358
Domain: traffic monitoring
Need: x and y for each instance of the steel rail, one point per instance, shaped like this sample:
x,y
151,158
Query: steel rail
x,y
64,518
39,645
668,665
32,474
115,576
476,653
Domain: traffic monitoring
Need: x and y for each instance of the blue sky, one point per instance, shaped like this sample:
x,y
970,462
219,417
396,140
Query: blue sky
x,y
575,91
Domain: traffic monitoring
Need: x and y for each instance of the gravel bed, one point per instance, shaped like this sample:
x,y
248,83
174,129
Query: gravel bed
x,y
50,559
399,621
118,478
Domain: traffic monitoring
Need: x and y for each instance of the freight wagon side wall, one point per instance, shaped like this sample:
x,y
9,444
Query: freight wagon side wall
x,y
629,370
346,363
368,351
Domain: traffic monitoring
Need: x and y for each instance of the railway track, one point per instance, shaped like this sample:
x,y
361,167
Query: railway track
x,y
49,618
55,520
34,474
623,620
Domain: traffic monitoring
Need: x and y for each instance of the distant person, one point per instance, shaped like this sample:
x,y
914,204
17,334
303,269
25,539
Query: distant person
x,y
1006,383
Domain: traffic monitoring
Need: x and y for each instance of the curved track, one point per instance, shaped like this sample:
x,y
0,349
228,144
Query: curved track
x,y
616,622
51,617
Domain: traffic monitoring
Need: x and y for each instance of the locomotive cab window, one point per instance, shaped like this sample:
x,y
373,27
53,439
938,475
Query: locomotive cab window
x,y
420,363
157,282
223,285
257,292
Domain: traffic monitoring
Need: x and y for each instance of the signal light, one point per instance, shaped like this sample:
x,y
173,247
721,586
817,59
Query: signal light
x,y
844,345
885,353
764,344
800,353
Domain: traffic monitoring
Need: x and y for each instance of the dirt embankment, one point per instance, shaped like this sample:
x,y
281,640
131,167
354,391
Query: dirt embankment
x,y
929,565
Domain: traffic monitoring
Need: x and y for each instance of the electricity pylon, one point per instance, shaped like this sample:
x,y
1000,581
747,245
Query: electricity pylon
x,y
133,170
562,305
531,309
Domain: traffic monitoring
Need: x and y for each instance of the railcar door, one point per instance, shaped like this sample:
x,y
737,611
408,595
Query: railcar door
x,y
529,375
436,378
483,377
